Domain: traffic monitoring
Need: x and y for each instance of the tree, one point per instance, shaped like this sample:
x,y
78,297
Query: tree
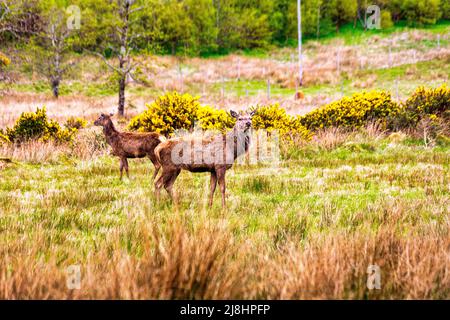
x,y
122,34
19,19
55,41
342,11
47,26
420,12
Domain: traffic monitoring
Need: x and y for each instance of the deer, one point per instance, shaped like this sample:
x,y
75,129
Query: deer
x,y
214,154
126,145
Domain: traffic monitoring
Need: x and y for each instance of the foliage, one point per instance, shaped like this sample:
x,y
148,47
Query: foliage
x,y
3,138
4,60
203,26
174,112
420,12
386,19
167,114
273,117
352,112
37,126
75,123
341,11
424,104
214,119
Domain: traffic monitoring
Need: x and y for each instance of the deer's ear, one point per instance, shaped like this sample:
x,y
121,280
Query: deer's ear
x,y
111,114
234,114
252,113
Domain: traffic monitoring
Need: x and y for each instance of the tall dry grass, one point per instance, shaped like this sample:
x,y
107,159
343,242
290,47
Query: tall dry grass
x,y
209,263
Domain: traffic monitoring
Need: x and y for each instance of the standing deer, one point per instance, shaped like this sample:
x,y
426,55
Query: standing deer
x,y
129,144
214,154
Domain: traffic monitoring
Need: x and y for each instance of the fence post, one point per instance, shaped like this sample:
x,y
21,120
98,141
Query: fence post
x,y
239,70
396,89
180,74
439,41
268,88
223,88
338,62
390,54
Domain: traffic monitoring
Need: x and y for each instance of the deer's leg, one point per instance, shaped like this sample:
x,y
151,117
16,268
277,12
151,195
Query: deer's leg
x,y
159,184
221,179
125,162
168,183
156,164
212,187
121,167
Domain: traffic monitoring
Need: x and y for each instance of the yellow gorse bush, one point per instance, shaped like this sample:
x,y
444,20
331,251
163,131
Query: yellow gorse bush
x,y
429,101
353,112
37,126
75,122
167,114
174,112
4,60
210,118
273,117
3,138
425,103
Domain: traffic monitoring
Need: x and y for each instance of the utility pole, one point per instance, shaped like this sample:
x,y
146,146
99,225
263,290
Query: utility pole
x,y
300,57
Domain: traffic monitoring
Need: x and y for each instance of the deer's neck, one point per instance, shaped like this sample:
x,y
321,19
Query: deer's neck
x,y
110,132
238,142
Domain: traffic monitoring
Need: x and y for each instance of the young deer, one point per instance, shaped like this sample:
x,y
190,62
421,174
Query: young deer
x,y
129,144
215,155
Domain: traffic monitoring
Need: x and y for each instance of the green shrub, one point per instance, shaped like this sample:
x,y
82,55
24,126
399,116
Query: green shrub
x,y
36,126
273,117
174,111
424,103
353,112
75,123
386,19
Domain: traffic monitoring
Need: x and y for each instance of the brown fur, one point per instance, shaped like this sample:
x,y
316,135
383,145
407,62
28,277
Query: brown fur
x,y
129,144
223,148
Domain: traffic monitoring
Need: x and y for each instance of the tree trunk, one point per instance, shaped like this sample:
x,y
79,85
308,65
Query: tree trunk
x,y
55,87
121,108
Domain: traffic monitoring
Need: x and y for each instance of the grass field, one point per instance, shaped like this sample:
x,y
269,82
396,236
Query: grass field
x,y
309,228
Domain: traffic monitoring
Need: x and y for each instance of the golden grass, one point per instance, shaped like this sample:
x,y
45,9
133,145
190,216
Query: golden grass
x,y
207,263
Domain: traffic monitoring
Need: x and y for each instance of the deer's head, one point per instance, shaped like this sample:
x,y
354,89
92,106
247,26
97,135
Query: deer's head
x,y
243,121
103,120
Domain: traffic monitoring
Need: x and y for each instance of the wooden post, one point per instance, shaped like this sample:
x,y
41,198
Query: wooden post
x,y
223,89
390,55
300,57
239,70
268,88
338,62
180,74
396,89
